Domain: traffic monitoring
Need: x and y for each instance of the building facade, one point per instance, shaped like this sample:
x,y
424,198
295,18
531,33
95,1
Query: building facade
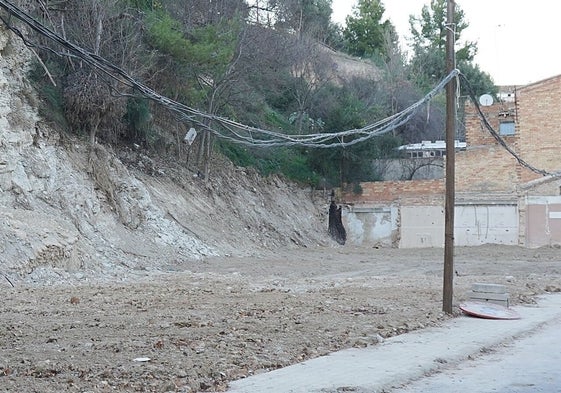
x,y
508,184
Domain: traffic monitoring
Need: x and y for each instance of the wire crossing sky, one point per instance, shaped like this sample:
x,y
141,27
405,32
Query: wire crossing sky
x,y
229,129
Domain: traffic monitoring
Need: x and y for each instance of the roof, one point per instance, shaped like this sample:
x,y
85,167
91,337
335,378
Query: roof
x,y
428,145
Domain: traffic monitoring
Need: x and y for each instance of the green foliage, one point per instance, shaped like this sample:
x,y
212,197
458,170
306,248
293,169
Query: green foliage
x,y
275,119
137,119
385,146
279,96
201,56
208,46
51,103
293,163
365,33
145,5
238,154
165,34
429,33
352,163
272,78
429,29
357,188
428,65
309,17
290,162
480,82
214,45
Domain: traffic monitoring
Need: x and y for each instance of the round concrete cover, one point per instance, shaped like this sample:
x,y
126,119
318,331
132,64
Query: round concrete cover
x,y
488,310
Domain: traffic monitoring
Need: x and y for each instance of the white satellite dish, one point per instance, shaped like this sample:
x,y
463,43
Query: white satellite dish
x,y
190,136
486,100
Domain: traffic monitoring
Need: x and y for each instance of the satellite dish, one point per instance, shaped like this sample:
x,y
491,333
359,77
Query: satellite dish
x,y
486,100
190,136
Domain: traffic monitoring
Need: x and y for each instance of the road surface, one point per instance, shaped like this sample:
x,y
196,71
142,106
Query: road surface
x,y
466,354
530,363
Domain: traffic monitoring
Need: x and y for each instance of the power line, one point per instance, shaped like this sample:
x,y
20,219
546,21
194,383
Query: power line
x,y
230,130
238,132
496,135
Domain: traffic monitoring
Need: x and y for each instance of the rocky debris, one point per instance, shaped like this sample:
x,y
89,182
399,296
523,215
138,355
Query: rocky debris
x,y
197,329
70,211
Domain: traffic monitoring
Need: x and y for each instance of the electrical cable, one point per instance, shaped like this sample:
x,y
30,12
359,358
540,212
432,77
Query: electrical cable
x,y
496,135
238,132
229,129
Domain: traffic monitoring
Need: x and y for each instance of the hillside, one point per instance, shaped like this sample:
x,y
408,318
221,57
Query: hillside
x,y
122,213
167,283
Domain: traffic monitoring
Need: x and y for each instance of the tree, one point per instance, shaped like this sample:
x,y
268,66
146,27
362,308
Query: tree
x,y
365,33
215,55
103,28
429,29
428,65
310,73
480,82
428,32
304,17
204,58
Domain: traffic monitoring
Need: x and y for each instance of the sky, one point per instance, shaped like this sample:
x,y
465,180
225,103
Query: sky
x,y
515,38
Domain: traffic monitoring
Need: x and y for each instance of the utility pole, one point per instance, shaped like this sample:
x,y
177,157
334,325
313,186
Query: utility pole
x,y
448,287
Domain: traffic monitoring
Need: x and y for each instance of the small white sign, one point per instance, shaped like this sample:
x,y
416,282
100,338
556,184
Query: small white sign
x,y
554,214
190,136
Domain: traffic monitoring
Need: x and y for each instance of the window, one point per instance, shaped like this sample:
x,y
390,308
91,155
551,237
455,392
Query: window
x,y
506,128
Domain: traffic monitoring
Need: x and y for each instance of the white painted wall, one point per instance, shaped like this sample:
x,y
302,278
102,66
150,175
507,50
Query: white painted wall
x,y
422,226
371,226
483,224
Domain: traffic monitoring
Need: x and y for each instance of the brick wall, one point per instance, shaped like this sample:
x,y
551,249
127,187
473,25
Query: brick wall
x,y
539,109
485,167
411,192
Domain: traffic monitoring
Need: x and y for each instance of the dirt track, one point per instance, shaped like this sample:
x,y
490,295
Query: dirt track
x,y
214,321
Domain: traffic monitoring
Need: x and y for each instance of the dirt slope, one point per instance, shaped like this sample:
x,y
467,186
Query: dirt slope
x,y
125,213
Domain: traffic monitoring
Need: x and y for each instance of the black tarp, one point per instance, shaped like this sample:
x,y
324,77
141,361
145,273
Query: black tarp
x,y
336,228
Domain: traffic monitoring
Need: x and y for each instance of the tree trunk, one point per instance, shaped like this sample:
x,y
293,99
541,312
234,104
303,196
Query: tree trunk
x,y
208,154
98,31
201,147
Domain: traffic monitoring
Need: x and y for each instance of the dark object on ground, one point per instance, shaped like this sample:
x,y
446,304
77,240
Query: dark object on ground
x,y
336,228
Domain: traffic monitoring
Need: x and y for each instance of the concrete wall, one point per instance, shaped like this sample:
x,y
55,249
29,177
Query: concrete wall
x,y
371,226
422,226
424,168
475,225
543,221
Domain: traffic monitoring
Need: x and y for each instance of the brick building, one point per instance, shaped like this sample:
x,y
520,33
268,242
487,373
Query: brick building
x,y
501,197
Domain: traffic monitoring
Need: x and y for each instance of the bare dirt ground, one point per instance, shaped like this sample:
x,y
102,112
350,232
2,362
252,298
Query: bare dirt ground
x,y
204,324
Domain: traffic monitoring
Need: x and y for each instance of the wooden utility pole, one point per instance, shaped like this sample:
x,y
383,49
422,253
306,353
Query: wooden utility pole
x,y
448,288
